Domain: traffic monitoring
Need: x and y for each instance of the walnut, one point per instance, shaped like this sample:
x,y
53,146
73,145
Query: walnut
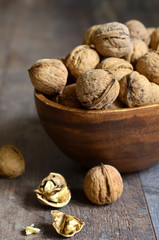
x,y
148,65
112,39
48,76
69,97
12,163
81,59
154,44
138,30
103,184
150,31
31,229
66,225
138,49
155,93
53,191
97,89
89,35
135,90
117,66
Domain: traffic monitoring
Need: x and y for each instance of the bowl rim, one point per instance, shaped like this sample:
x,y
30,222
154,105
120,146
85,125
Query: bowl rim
x,y
53,104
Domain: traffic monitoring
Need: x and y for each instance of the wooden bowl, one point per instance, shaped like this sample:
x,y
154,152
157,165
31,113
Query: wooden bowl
x,y
126,138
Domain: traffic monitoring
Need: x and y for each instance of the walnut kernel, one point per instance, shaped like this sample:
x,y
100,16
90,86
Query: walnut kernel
x,y
31,229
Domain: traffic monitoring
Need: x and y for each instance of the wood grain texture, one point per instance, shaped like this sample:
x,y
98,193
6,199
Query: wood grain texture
x,y
34,29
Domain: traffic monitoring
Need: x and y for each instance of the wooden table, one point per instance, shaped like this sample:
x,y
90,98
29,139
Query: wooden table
x,y
34,29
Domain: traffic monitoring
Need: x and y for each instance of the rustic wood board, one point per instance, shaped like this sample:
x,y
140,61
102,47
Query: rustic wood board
x,y
33,29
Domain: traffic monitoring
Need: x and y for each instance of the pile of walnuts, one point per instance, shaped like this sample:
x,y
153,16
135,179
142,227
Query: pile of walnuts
x,y
116,66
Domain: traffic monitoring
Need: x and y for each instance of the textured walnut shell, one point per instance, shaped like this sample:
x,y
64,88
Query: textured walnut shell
x,y
48,76
69,97
103,184
138,30
112,39
150,31
81,59
117,66
135,90
12,163
154,44
138,49
97,89
89,35
60,184
155,93
60,221
148,65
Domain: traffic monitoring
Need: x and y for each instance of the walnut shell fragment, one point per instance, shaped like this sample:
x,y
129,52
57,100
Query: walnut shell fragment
x,y
48,76
81,59
117,66
154,44
66,225
103,184
138,30
97,89
53,191
69,97
148,65
112,39
12,163
135,90
138,49
89,35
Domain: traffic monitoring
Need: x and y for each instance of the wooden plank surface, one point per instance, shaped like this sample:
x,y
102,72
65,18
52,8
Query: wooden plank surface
x,y
33,29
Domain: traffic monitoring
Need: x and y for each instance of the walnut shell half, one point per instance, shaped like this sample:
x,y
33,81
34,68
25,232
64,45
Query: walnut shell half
x,y
53,191
66,225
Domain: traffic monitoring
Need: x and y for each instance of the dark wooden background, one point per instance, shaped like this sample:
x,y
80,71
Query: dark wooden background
x,y
33,29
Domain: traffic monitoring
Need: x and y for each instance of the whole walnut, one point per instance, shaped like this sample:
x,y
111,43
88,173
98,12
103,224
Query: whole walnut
x,y
138,49
155,93
112,39
154,44
148,65
117,66
69,97
135,90
12,163
89,34
103,184
138,30
97,89
48,76
81,59
150,31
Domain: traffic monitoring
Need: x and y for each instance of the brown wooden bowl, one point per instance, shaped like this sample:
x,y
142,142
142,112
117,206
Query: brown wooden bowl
x,y
126,138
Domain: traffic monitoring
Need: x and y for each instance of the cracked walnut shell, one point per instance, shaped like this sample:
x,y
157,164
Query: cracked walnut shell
x,y
148,65
81,59
135,90
117,66
103,184
66,225
138,30
53,191
48,76
97,89
112,40
12,163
